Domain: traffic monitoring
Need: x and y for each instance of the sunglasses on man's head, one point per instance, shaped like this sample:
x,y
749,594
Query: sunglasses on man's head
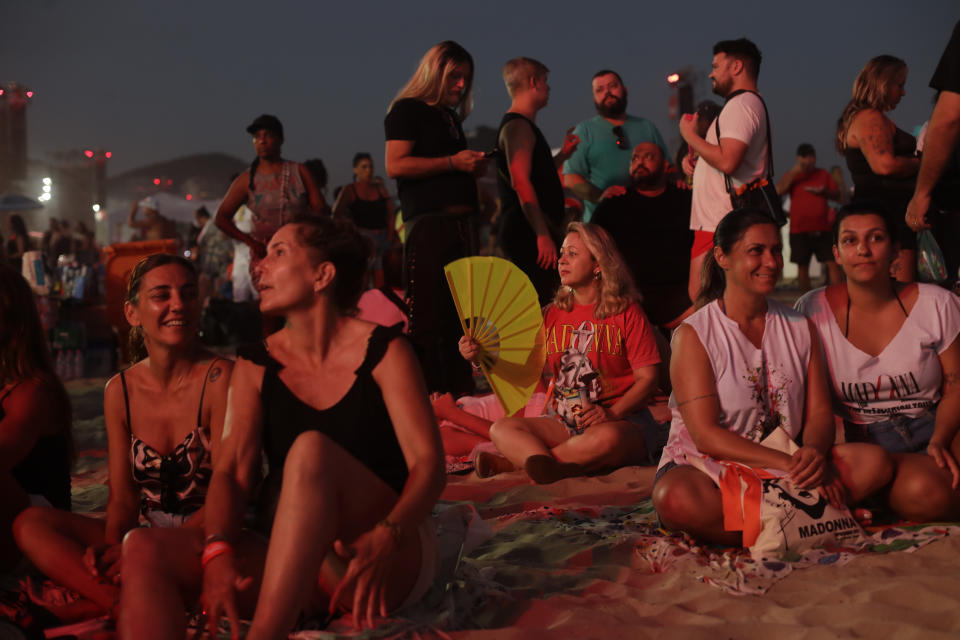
x,y
621,137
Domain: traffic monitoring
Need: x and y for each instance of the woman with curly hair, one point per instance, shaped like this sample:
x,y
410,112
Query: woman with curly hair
x,y
603,359
880,156
34,415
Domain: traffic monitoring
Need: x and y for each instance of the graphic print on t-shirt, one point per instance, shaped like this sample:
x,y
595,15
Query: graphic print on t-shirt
x,y
892,388
768,390
577,381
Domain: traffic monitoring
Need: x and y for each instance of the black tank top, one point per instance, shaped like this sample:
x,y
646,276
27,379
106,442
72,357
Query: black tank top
x,y
368,214
895,193
358,422
46,469
543,177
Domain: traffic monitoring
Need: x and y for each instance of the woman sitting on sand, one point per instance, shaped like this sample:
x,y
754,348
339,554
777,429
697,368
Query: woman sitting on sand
x,y
742,366
602,353
340,408
894,362
164,419
34,415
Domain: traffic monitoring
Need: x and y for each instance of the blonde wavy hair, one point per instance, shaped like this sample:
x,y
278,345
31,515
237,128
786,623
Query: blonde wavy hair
x,y
426,84
617,290
870,91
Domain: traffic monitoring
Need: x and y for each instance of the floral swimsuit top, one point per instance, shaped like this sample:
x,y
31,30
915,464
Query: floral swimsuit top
x,y
176,483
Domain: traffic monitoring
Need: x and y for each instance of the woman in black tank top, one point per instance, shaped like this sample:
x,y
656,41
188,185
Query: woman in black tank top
x,y
881,158
366,202
354,455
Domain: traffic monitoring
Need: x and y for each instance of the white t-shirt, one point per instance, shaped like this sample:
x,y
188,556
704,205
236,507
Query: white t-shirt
x,y
742,118
758,389
905,378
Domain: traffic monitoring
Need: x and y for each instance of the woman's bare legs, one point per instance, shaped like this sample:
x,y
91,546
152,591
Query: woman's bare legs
x,y
55,541
864,469
545,449
327,495
686,499
162,579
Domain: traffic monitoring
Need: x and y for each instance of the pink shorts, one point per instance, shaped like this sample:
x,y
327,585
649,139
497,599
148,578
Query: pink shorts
x,y
702,242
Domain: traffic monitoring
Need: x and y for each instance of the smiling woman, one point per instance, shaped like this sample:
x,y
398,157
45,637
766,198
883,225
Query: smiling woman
x,y
164,418
743,367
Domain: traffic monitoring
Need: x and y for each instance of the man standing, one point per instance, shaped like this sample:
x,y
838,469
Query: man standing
x,y
936,199
740,150
530,192
810,190
648,222
602,160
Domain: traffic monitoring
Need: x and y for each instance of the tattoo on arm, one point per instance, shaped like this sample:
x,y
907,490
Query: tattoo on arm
x,y
706,395
879,139
215,374
951,378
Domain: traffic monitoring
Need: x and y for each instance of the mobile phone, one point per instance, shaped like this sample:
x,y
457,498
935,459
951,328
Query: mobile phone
x,y
491,153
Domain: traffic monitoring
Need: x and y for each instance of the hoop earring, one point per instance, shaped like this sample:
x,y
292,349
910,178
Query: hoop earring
x,y
596,275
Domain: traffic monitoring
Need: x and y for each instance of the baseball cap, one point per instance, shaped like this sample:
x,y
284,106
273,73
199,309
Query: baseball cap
x,y
149,202
268,122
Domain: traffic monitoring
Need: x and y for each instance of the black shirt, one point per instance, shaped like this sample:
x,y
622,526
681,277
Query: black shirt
x,y
654,237
436,133
946,195
543,177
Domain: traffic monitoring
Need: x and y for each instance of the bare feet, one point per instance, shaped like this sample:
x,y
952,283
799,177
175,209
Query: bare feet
x,y
444,406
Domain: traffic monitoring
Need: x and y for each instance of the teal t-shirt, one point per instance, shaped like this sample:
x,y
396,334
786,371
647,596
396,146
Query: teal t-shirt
x,y
600,161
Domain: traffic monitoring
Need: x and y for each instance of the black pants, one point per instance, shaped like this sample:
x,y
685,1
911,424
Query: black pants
x,y
432,242
519,244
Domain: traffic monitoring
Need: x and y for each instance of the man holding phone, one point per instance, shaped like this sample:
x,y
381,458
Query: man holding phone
x,y
530,191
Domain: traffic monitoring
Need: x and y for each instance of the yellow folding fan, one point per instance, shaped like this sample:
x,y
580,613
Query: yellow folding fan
x,y
497,302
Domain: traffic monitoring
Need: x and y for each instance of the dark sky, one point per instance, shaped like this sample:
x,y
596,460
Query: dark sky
x,y
151,81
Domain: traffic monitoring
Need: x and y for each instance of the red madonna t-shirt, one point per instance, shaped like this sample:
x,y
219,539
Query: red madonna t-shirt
x,y
597,355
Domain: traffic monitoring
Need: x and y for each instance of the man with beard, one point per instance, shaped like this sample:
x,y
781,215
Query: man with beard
x,y
649,220
530,192
740,150
602,159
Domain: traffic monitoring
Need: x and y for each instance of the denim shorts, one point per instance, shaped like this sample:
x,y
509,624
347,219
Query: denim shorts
x,y
897,434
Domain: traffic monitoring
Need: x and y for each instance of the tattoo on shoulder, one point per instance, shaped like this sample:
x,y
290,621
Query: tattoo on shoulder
x,y
706,395
215,374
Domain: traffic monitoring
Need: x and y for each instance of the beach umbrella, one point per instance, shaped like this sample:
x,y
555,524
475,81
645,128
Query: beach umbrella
x,y
498,304
16,202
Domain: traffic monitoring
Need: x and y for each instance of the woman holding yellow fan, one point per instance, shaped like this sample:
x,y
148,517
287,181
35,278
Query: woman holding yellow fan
x,y
603,360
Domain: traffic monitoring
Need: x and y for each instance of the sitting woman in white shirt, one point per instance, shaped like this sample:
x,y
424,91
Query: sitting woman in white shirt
x,y
744,365
894,362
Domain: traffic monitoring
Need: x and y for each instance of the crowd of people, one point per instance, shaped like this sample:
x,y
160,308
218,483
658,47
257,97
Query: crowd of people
x,y
339,406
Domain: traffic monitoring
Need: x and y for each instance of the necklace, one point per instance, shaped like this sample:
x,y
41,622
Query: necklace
x,y
846,331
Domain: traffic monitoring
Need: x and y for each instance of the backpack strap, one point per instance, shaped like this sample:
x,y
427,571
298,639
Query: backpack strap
x,y
766,114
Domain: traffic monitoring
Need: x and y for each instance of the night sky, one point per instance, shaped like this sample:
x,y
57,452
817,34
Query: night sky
x,y
151,81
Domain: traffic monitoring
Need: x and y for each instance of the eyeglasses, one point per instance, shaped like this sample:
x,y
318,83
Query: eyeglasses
x,y
621,138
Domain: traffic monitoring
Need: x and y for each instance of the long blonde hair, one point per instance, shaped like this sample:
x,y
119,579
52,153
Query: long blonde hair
x,y
870,91
617,290
426,84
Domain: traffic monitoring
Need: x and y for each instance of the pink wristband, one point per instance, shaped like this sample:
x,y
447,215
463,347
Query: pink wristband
x,y
213,550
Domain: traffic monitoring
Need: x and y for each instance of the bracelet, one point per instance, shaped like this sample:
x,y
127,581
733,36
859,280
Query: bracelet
x,y
475,365
450,162
215,537
214,549
392,526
